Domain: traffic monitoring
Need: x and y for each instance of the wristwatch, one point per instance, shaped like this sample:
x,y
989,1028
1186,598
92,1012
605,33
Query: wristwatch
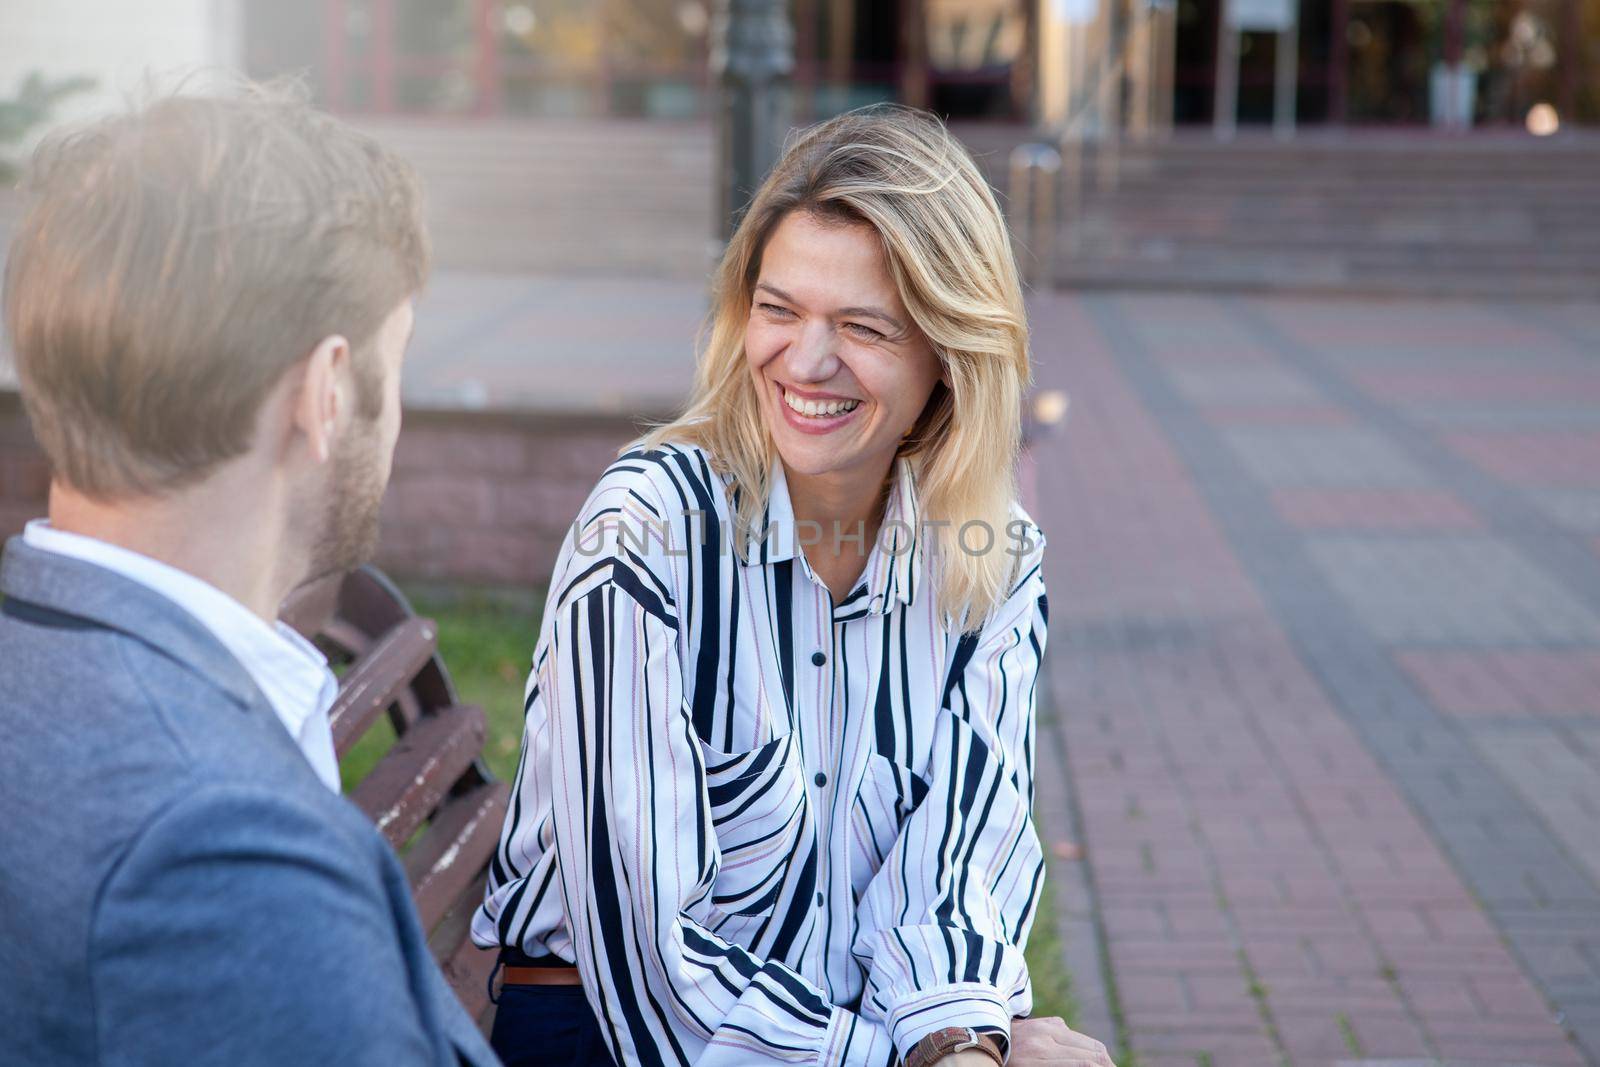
x,y
939,1044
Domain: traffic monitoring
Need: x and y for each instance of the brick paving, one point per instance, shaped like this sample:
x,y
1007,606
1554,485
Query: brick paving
x,y
533,343
1324,655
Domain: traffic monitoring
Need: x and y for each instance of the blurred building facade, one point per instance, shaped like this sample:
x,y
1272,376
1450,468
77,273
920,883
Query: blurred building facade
x,y
1359,62
1363,62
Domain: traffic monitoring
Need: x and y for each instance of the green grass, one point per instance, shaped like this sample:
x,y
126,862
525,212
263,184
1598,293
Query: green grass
x,y
487,639
1047,963
1352,1042
487,642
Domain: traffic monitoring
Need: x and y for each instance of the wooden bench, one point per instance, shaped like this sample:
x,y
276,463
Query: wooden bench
x,y
430,794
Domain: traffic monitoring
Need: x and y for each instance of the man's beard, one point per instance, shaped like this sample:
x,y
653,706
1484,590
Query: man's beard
x,y
349,534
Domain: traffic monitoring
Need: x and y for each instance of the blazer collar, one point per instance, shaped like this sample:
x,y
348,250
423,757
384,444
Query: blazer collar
x,y
82,590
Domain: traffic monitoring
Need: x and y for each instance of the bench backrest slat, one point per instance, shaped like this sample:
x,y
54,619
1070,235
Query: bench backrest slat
x,y
431,785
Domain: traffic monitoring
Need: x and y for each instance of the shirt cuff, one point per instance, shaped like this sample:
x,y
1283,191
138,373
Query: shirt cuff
x,y
854,1040
971,1004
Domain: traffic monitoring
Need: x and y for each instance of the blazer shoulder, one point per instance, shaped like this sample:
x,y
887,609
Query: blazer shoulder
x,y
239,874
256,825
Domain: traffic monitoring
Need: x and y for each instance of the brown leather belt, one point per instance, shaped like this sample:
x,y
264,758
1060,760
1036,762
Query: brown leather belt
x,y
540,976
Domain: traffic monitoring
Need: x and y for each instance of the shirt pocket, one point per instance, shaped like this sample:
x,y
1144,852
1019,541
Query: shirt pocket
x,y
761,821
888,794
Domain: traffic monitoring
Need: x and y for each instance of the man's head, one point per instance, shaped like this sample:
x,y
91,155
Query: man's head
x,y
214,282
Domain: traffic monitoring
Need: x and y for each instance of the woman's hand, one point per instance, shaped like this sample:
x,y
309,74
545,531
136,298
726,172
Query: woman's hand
x,y
1047,1042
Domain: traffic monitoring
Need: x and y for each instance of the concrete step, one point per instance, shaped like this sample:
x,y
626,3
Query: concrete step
x,y
585,197
1278,271
1494,236
1413,254
1494,215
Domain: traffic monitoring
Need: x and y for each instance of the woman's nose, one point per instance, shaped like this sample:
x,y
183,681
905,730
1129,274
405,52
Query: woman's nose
x,y
814,356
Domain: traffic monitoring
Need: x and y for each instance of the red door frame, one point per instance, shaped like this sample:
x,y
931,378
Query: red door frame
x,y
335,62
382,63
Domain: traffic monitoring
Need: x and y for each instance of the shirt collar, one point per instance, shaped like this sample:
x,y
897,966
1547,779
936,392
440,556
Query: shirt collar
x,y
290,672
895,562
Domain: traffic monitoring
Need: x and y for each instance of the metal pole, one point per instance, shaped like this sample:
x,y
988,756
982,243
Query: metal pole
x,y
1166,64
752,56
1226,107
1035,190
1139,70
1287,62
1073,192
1454,34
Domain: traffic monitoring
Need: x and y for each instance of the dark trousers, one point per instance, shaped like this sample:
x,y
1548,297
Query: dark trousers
x,y
536,1025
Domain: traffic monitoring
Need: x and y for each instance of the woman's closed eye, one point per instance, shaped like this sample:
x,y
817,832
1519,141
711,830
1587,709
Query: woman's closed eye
x,y
859,330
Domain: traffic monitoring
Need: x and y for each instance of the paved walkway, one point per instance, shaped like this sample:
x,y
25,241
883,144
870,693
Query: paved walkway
x,y
1325,654
558,344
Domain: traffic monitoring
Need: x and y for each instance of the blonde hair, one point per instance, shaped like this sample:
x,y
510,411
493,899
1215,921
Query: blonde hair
x,y
899,171
177,259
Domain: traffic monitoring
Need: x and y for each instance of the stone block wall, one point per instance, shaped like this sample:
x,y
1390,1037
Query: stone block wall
x,y
486,498
480,498
24,475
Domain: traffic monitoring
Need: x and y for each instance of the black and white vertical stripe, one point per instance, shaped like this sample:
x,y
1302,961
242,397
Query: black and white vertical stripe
x,y
765,825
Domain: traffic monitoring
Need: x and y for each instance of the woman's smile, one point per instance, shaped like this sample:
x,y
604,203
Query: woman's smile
x,y
817,415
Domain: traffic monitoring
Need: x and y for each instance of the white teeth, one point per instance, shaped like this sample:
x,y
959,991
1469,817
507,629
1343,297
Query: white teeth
x,y
819,408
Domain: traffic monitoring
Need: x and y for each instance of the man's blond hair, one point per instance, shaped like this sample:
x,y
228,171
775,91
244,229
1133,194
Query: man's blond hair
x,y
173,262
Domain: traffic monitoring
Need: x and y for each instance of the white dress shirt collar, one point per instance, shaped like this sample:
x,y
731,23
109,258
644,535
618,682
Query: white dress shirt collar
x,y
288,669
895,560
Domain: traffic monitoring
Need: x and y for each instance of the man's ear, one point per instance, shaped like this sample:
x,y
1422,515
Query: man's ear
x,y
317,409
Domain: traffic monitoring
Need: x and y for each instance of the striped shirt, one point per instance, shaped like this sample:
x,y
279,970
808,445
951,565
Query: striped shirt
x,y
769,826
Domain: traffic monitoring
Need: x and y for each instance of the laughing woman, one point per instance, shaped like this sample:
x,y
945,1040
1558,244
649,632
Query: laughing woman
x,y
775,794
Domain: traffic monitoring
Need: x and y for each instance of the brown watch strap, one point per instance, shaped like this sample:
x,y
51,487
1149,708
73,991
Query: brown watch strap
x,y
940,1043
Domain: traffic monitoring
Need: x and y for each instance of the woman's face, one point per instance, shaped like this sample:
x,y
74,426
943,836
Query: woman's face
x,y
842,371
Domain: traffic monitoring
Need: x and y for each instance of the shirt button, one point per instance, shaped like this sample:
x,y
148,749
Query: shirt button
x,y
819,899
818,659
821,779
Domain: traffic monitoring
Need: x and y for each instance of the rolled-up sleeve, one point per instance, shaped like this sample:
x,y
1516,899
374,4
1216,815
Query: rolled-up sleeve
x,y
947,915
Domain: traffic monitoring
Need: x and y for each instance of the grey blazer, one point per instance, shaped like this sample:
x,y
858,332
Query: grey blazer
x,y
176,884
